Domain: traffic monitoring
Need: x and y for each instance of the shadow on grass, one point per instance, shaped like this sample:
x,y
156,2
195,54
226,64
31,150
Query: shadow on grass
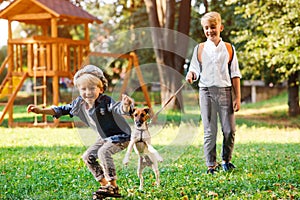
x,y
268,120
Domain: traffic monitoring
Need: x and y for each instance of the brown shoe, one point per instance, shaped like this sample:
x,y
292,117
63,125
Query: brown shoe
x,y
108,190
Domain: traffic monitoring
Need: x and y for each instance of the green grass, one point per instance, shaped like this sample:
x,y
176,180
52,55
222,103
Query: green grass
x,y
46,163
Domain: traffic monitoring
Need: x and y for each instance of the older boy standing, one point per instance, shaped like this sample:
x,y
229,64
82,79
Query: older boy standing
x,y
216,80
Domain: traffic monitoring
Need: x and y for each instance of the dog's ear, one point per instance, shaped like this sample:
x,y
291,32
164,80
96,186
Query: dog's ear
x,y
147,110
131,111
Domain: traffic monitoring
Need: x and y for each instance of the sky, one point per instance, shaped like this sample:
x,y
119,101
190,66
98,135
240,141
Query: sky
x,y
4,31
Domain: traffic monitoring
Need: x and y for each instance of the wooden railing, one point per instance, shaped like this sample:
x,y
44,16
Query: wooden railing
x,y
61,56
4,63
3,66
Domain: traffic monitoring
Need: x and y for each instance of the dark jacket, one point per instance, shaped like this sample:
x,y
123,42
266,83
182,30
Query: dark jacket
x,y
107,115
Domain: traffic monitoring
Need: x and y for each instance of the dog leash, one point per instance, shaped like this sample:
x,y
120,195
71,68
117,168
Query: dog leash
x,y
167,102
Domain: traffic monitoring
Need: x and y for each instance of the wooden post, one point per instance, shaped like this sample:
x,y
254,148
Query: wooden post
x,y
141,80
87,48
253,93
127,76
86,32
10,51
29,58
55,81
253,84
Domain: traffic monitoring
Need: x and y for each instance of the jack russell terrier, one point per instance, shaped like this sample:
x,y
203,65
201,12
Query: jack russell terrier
x,y
141,142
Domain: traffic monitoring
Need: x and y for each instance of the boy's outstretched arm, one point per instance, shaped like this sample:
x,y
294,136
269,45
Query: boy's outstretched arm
x,y
37,110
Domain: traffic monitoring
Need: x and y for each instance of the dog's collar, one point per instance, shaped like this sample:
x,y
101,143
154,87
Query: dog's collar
x,y
140,129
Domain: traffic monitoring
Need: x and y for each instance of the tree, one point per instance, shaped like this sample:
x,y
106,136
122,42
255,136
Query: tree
x,y
162,14
130,15
270,41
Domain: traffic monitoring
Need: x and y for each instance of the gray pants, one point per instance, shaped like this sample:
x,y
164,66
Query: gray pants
x,y
214,101
99,160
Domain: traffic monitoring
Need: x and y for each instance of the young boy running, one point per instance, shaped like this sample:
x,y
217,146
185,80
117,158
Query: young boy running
x,y
101,113
216,80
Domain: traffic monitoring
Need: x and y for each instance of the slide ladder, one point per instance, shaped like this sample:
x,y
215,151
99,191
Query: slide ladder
x,y
40,86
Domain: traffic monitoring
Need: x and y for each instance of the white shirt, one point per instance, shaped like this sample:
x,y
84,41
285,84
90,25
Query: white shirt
x,y
89,118
215,70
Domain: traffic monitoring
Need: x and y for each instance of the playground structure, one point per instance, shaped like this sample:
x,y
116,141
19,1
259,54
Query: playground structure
x,y
48,55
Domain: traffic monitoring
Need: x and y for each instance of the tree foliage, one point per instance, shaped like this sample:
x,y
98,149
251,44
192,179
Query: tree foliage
x,y
269,39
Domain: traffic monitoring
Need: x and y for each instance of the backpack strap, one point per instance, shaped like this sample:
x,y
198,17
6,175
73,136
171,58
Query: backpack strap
x,y
230,50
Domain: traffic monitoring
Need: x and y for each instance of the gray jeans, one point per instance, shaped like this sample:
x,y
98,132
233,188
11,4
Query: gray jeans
x,y
216,101
99,160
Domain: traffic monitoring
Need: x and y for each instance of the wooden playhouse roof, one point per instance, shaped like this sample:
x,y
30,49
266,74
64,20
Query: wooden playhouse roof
x,y
40,12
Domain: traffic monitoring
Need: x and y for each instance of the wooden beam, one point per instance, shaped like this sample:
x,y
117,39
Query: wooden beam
x,y
9,29
55,80
33,16
29,57
141,79
113,55
127,76
54,27
10,51
52,74
86,32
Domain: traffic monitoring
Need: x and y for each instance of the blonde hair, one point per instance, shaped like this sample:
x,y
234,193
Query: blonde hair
x,y
211,17
92,75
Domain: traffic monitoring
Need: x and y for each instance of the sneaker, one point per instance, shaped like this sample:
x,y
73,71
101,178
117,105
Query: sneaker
x,y
211,171
108,190
227,166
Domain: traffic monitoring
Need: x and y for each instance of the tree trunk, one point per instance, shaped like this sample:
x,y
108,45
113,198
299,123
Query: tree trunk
x,y
205,2
169,46
182,46
293,94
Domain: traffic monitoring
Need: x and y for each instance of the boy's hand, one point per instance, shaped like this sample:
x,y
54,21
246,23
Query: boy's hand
x,y
236,105
33,108
190,77
127,102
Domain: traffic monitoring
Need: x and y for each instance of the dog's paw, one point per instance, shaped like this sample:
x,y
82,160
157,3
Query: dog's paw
x,y
159,158
157,183
125,161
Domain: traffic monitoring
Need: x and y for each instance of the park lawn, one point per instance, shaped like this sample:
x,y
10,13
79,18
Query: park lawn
x,y
46,163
